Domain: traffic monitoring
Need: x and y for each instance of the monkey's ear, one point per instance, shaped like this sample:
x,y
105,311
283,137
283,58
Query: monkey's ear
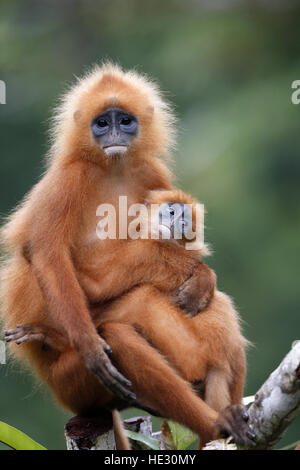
x,y
77,116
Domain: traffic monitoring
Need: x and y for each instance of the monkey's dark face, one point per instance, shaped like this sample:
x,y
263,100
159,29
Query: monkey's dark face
x,y
175,220
114,130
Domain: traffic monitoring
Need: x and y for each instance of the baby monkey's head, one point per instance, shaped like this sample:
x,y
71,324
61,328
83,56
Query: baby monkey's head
x,y
176,217
174,220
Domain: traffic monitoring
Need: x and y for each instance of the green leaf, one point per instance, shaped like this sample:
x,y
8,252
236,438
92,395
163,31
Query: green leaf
x,y
148,441
17,439
182,436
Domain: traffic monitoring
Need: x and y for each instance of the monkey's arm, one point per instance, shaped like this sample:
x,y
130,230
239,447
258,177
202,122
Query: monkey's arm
x,y
189,282
165,266
51,262
69,311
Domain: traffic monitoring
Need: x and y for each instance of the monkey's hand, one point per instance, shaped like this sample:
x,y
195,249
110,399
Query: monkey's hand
x,y
233,421
100,365
197,291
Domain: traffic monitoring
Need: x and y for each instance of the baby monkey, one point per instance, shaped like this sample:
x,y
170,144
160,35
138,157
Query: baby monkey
x,y
176,218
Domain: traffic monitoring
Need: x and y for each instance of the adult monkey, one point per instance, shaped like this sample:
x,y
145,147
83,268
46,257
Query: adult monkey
x,y
109,131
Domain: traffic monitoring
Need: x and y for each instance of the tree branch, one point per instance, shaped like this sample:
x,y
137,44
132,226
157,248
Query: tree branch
x,y
276,404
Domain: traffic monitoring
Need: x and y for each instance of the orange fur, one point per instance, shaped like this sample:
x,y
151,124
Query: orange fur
x,y
56,268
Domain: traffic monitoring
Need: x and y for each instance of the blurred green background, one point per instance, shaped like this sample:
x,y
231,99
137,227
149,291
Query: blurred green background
x,y
228,67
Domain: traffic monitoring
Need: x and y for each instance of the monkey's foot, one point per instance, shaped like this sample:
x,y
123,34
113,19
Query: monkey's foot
x,y
24,333
233,421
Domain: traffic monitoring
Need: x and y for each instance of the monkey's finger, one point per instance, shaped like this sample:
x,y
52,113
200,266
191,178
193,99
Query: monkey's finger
x,y
118,377
23,339
110,377
244,440
20,329
120,391
117,388
243,436
108,350
8,339
12,335
116,382
110,370
10,332
251,435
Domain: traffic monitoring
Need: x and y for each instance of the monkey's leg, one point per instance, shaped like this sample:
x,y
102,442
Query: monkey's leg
x,y
79,391
164,326
158,387
238,378
217,394
173,334
156,384
226,399
52,338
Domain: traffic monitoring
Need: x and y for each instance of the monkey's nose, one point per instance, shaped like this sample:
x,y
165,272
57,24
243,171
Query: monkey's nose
x,y
114,133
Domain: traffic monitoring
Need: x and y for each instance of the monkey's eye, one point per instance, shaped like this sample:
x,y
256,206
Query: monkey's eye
x,y
128,124
170,209
102,122
126,121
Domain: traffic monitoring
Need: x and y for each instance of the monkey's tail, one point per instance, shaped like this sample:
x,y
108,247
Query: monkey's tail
x,y
122,441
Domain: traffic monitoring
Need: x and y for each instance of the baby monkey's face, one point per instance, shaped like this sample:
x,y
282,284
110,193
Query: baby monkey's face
x,y
172,221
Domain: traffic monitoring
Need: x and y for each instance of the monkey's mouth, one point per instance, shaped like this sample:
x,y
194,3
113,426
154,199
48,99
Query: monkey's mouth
x,y
111,150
